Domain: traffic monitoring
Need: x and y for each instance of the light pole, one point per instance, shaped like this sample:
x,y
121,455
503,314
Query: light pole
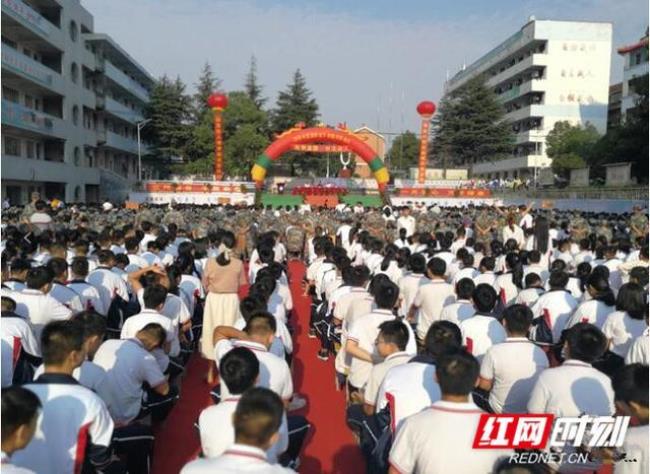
x,y
139,126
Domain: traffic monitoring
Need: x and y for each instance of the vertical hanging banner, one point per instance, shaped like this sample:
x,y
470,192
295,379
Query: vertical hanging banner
x,y
218,102
426,109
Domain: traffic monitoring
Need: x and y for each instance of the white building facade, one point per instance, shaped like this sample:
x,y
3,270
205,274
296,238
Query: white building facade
x,y
635,66
71,100
549,71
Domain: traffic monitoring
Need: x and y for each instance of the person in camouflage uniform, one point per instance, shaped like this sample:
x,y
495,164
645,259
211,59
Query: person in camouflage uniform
x,y
579,227
483,227
295,237
605,230
638,223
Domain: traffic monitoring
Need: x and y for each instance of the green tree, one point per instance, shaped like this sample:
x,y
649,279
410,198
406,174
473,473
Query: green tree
x,y
206,85
470,126
252,86
570,146
295,104
404,151
169,110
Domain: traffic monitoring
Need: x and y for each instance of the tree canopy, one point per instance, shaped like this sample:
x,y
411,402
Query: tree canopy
x,y
404,151
569,146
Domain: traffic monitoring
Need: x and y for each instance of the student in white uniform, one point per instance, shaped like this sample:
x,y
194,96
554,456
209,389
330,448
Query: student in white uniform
x,y
129,364
411,282
596,309
440,438
534,289
510,369
406,221
18,269
256,421
136,262
108,284
409,388
20,348
483,330
360,344
631,395
575,388
36,305
90,299
72,415
431,297
510,282
486,272
463,308
63,294
556,305
639,352
20,411
535,266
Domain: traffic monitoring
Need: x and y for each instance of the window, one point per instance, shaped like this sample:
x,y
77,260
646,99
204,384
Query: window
x,y
74,72
77,193
637,58
74,32
10,94
77,156
9,42
75,115
30,149
12,146
28,101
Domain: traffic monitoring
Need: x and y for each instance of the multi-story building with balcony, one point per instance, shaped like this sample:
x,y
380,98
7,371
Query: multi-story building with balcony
x,y
635,67
71,99
549,71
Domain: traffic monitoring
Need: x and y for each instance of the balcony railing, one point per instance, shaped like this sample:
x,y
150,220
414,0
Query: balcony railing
x,y
125,82
27,68
31,19
122,111
18,116
119,142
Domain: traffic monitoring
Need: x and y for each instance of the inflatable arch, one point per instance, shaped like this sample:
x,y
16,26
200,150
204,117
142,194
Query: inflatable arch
x,y
302,136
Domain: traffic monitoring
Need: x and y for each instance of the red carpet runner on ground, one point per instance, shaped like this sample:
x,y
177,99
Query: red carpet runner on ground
x,y
330,448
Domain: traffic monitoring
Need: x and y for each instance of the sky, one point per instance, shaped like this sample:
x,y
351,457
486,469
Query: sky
x,y
368,62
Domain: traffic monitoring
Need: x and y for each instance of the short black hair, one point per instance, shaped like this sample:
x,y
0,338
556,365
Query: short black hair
x,y
19,407
534,256
532,279
79,266
518,317
58,266
465,288
262,323
239,369
257,417
488,263
251,305
639,275
630,384
38,277
457,373
558,279
394,332
19,265
59,339
442,337
154,295
8,304
132,243
94,324
586,342
386,295
156,331
484,297
437,266
104,257
631,299
417,263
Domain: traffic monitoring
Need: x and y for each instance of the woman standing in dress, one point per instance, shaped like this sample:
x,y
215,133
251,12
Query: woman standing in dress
x,y
222,278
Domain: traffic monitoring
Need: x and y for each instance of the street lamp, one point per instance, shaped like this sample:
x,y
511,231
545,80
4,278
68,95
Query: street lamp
x,y
140,125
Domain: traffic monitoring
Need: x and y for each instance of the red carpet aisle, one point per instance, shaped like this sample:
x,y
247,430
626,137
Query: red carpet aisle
x,y
330,447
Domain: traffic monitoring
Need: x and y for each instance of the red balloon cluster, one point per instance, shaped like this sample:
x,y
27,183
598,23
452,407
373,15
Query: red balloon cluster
x,y
218,100
426,108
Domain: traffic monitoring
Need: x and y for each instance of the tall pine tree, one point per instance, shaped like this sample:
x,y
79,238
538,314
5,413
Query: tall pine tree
x,y
470,126
206,85
252,87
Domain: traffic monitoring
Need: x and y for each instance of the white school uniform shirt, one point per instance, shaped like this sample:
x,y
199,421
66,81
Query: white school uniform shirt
x,y
489,278
393,271
458,312
237,459
176,310
513,366
67,297
14,285
373,262
638,352
526,221
335,296
556,307
191,285
138,321
16,336
515,233
408,223
91,376
615,276
151,258
379,371
136,262
343,232
282,343
408,289
282,289
447,256
467,272
529,296
430,299
325,274
128,365
364,331
536,268
506,289
71,416
593,312
145,240
9,468
312,269
582,256
622,330
635,447
480,332
117,249
274,371
279,252
108,285
218,434
39,309
89,296
439,440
